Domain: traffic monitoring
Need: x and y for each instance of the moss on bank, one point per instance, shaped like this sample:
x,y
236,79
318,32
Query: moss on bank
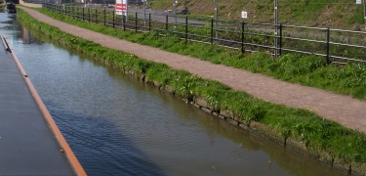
x,y
298,128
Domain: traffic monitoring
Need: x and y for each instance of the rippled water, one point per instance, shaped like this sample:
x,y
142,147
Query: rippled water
x,y
116,125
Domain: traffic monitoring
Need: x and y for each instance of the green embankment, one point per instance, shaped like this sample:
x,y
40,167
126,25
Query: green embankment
x,y
340,14
325,140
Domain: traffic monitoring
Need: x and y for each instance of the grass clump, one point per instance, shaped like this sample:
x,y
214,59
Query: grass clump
x,y
319,136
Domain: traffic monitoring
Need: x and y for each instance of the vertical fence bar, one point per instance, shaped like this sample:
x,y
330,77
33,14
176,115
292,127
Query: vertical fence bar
x,y
113,19
96,15
136,22
328,45
242,37
212,30
73,14
280,40
83,14
124,22
105,17
186,29
89,14
166,22
149,22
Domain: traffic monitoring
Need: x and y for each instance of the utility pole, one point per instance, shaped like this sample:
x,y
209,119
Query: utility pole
x,y
275,27
216,17
145,12
175,13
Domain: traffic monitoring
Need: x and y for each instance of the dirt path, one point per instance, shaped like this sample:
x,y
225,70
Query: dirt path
x,y
343,109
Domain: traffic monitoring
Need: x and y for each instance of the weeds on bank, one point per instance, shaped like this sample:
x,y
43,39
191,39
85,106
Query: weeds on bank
x,y
307,70
317,134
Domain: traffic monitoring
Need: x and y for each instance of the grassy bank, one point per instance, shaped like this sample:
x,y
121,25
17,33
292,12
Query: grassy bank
x,y
340,14
295,68
323,139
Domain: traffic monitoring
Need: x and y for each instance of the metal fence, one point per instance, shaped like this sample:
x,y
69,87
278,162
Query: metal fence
x,y
335,45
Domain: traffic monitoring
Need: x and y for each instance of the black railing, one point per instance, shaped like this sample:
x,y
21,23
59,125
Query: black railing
x,y
333,44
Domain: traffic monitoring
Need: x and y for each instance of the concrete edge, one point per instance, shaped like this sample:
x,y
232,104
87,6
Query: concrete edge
x,y
65,148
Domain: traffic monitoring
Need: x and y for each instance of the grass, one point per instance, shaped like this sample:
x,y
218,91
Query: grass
x,y
320,137
307,70
341,14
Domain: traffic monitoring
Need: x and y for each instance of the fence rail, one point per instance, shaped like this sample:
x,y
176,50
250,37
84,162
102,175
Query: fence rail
x,y
333,44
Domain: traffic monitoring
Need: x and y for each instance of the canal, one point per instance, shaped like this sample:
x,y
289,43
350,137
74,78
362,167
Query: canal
x,y
116,125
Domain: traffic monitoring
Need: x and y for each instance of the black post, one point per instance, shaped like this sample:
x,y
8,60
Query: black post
x,y
83,14
166,22
136,22
105,17
113,19
186,29
328,45
280,40
124,22
73,14
242,36
89,14
96,15
149,22
212,31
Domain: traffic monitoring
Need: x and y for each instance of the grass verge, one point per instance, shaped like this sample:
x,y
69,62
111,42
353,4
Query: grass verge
x,y
308,70
325,140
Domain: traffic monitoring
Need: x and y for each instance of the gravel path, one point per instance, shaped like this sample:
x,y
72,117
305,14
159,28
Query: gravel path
x,y
345,110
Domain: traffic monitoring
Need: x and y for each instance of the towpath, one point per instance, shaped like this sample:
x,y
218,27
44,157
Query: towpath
x,y
345,110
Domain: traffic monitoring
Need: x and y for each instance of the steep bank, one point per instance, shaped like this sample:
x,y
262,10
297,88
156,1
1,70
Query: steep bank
x,y
341,14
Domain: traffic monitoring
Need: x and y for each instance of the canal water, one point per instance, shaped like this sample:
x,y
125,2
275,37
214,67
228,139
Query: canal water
x,y
117,125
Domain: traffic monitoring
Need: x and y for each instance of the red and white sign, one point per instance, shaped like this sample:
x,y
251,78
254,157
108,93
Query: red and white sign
x,y
121,7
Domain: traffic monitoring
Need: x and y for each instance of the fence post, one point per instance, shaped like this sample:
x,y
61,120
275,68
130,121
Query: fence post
x,y
149,22
73,14
242,37
113,19
186,29
328,45
212,31
280,40
166,22
96,15
124,22
136,22
89,14
83,15
105,17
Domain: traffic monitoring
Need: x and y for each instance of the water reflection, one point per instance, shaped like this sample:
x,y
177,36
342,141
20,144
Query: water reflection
x,y
90,137
118,126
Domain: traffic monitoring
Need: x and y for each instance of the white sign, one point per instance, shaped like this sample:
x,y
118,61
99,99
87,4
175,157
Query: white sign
x,y
358,1
121,7
244,14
